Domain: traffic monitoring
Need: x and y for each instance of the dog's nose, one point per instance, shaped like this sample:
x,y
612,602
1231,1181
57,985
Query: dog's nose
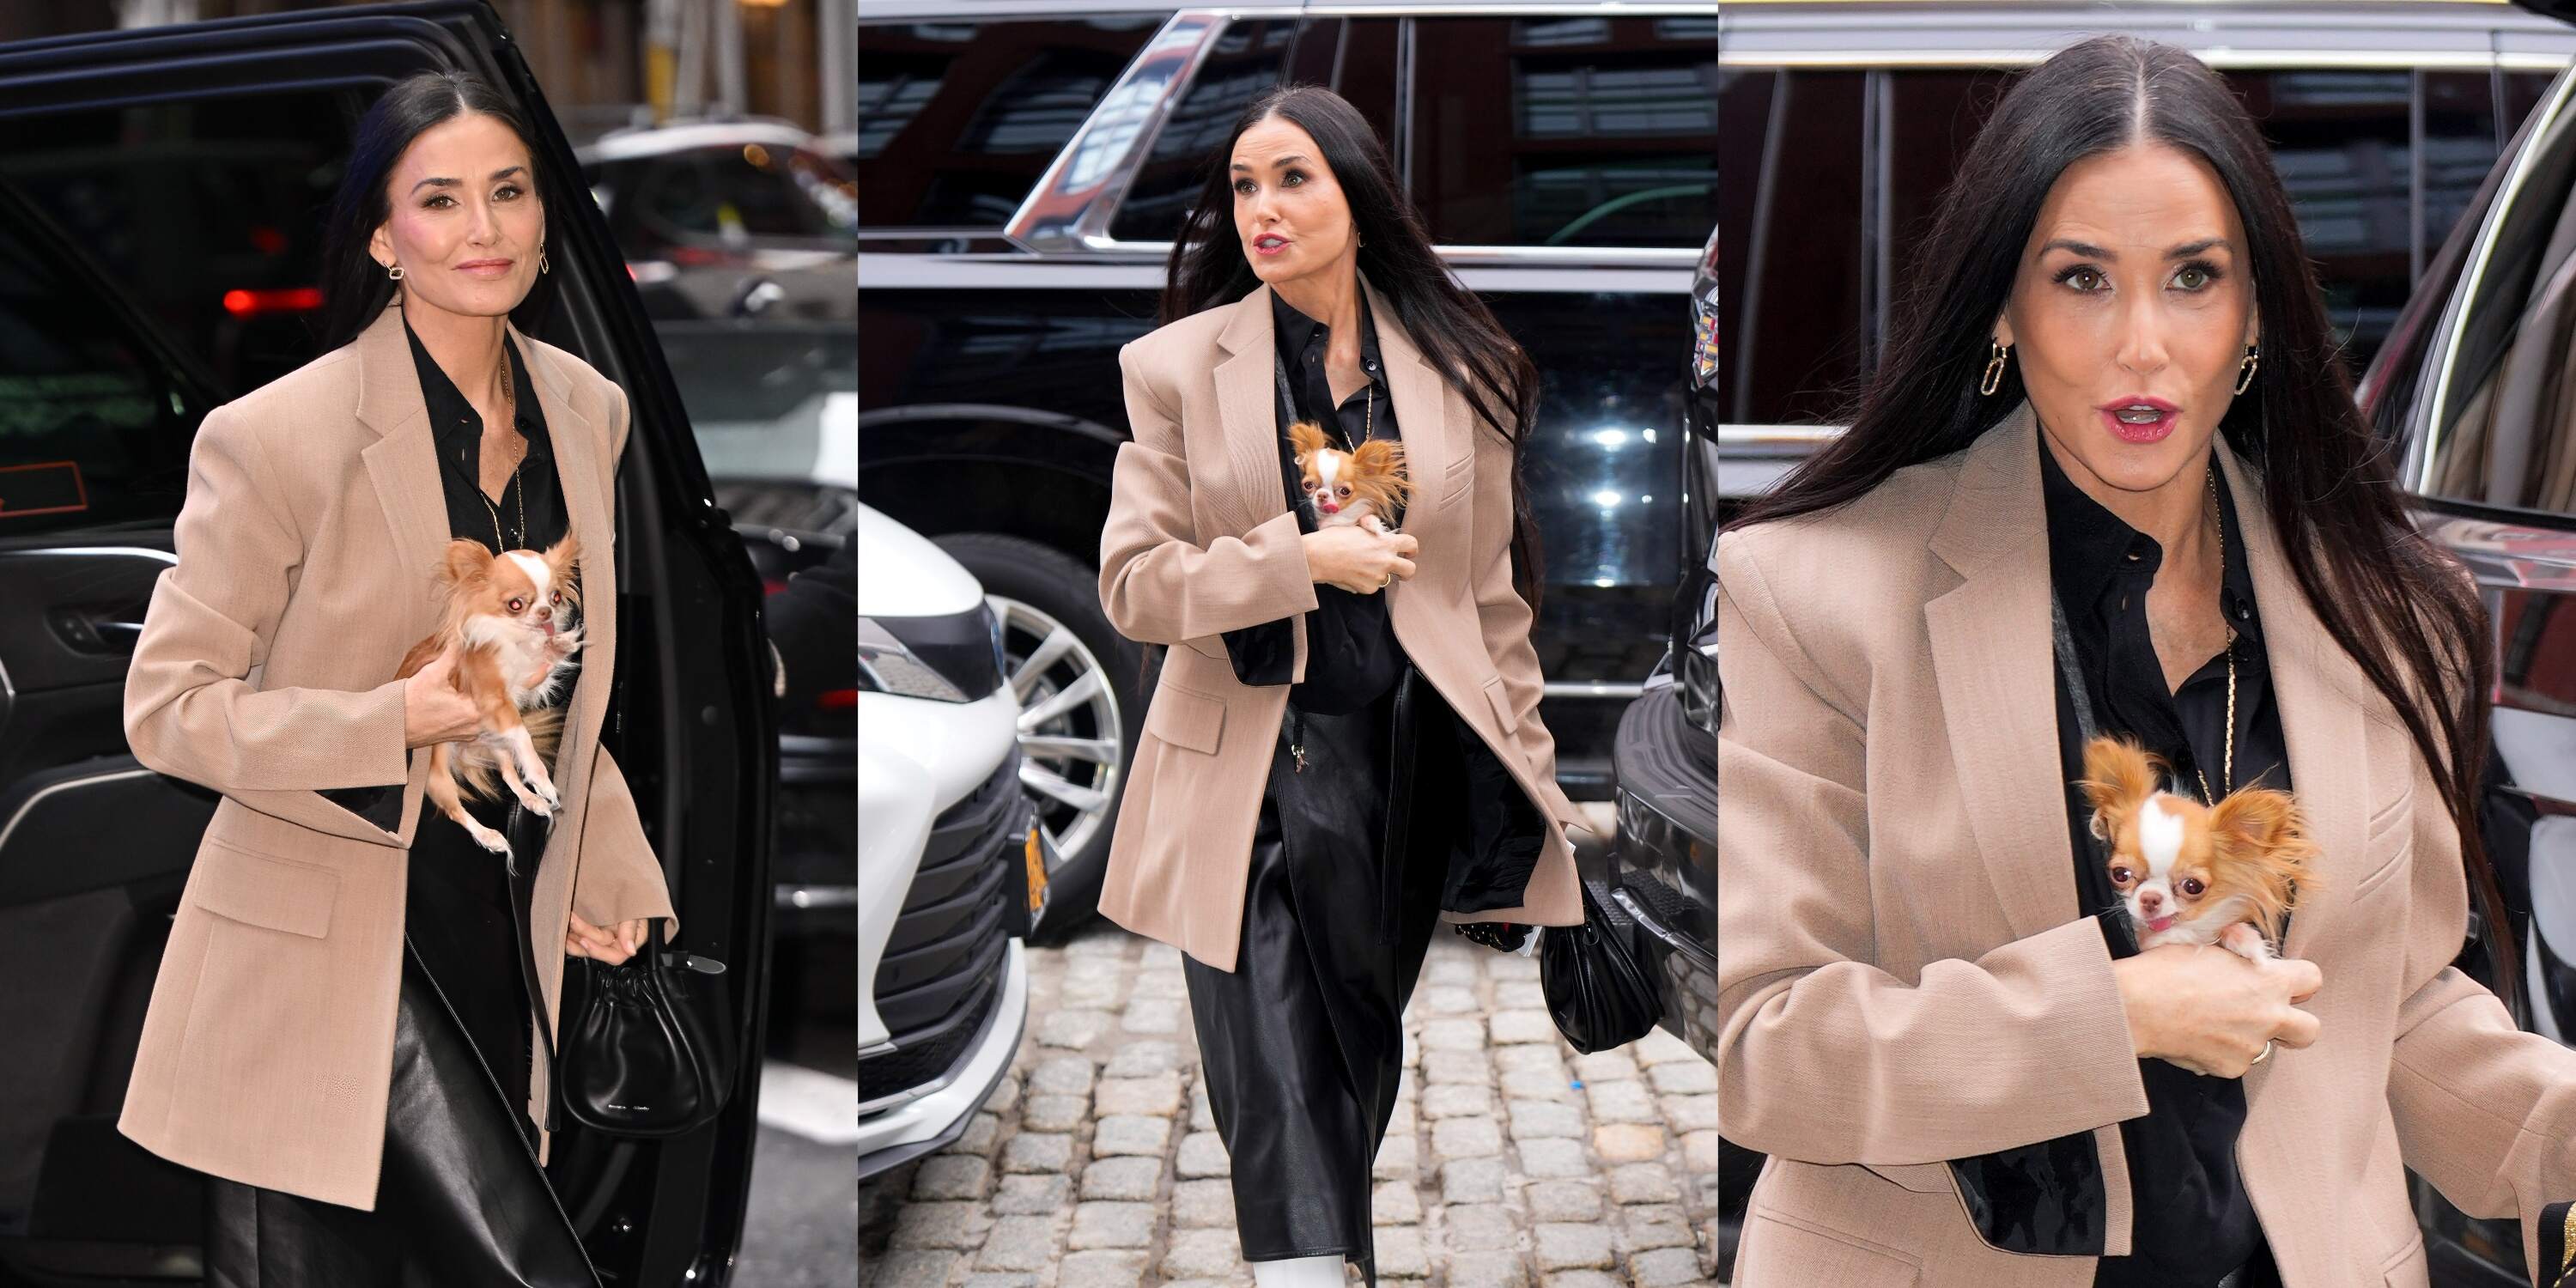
x,y
2149,901
545,612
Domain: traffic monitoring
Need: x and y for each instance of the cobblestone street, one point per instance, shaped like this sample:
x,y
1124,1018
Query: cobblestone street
x,y
1511,1160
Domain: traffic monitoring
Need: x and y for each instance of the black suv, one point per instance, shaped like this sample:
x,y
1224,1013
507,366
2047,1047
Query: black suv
x,y
159,200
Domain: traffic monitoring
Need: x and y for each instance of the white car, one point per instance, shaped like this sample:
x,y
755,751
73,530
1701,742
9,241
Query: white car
x,y
948,844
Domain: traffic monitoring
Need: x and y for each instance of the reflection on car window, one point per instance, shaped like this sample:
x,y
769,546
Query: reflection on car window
x,y
90,435
734,192
1244,63
2501,434
1610,138
208,214
958,119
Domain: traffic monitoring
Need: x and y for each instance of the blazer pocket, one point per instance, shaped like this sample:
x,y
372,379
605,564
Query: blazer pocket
x,y
1184,718
258,890
1500,699
2390,842
1455,480
2407,1266
1795,1251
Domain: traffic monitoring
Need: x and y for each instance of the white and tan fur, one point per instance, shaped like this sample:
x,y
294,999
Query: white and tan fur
x,y
2189,874
1365,487
513,661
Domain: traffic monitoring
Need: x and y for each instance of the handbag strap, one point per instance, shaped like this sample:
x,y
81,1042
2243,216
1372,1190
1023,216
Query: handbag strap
x,y
2065,647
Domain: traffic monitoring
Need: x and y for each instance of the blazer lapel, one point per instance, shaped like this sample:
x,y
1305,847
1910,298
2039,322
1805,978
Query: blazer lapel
x,y
1994,662
1251,492
1424,404
2320,694
585,480
403,463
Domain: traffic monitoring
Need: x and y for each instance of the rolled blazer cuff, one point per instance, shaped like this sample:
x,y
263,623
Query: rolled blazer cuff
x,y
617,877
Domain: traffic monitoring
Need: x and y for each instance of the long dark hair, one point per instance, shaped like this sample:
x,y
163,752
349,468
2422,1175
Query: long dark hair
x,y
1445,320
355,289
2393,600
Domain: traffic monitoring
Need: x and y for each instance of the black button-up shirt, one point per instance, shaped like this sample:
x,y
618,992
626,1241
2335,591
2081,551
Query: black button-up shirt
x,y
1352,657
456,435
2192,1219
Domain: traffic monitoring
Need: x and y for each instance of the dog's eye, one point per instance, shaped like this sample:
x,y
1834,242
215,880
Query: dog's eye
x,y
516,604
555,597
2192,887
2120,876
1343,490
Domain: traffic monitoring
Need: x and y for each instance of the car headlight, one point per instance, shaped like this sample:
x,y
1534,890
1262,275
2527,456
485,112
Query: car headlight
x,y
952,657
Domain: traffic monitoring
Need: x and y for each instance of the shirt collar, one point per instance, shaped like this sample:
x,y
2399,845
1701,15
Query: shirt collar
x,y
2088,545
452,417
1300,336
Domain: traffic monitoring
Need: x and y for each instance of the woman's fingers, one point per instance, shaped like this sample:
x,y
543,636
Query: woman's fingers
x,y
1401,567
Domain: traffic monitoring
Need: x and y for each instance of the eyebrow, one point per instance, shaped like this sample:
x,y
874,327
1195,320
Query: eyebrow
x,y
450,183
1290,159
2184,250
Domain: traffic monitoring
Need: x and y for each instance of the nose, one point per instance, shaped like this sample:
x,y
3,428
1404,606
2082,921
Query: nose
x,y
545,612
2142,339
2149,901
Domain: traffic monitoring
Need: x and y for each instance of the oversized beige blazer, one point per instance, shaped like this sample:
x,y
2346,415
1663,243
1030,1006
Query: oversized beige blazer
x,y
1200,541
1905,975
313,520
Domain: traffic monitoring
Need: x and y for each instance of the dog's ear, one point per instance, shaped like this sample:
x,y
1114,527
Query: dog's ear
x,y
465,560
1385,459
2119,776
1307,438
563,556
2258,821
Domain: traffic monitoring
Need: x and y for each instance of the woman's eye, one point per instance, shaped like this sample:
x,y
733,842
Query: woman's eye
x,y
2191,886
2082,279
507,191
2191,273
1243,187
1293,179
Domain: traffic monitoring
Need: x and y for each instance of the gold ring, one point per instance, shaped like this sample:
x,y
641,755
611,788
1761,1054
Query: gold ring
x,y
1386,581
2266,1055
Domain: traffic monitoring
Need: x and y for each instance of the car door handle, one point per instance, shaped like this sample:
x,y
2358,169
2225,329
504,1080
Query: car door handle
x,y
95,630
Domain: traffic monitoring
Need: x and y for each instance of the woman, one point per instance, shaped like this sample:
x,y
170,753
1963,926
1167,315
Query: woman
x,y
339,1034
1334,685
2114,389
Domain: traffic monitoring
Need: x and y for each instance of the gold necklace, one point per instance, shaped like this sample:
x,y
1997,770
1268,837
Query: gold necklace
x,y
510,401
2227,766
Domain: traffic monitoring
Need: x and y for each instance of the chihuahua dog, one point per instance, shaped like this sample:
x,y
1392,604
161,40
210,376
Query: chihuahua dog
x,y
2194,874
510,624
1366,486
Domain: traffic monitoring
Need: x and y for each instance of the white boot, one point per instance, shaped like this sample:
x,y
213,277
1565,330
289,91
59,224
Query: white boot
x,y
1300,1272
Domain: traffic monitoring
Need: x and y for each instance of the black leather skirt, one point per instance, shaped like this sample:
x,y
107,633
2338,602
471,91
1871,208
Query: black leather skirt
x,y
1303,1041
461,1199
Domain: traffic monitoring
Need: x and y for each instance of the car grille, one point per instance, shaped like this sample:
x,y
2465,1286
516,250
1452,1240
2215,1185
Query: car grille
x,y
941,971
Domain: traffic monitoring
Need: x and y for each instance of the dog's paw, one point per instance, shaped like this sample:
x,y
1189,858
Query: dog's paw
x,y
2247,942
491,840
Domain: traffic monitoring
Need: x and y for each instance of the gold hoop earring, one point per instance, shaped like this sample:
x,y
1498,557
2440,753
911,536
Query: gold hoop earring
x,y
541,257
393,272
2245,372
1994,370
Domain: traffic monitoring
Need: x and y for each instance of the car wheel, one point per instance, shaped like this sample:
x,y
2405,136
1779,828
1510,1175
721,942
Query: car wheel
x,y
1081,690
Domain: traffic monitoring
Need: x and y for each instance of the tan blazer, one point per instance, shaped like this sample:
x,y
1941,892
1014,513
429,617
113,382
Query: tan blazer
x,y
313,519
1200,540
1905,975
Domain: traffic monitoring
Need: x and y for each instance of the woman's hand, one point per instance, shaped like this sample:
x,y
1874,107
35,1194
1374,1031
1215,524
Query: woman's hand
x,y
1358,560
2211,1011
434,709
582,939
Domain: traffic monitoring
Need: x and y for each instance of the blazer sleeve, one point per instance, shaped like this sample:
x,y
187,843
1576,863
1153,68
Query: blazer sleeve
x,y
190,710
617,877
1822,1056
1158,585
2485,1111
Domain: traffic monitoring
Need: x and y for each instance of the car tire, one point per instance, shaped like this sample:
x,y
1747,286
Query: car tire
x,y
1037,588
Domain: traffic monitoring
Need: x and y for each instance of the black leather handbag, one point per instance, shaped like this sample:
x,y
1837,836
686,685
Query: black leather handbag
x,y
648,1044
1596,990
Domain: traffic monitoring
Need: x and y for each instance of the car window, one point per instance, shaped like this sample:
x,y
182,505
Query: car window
x,y
1244,62
957,120
92,432
729,192
208,214
1358,59
2340,144
1791,332
1565,131
2501,434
